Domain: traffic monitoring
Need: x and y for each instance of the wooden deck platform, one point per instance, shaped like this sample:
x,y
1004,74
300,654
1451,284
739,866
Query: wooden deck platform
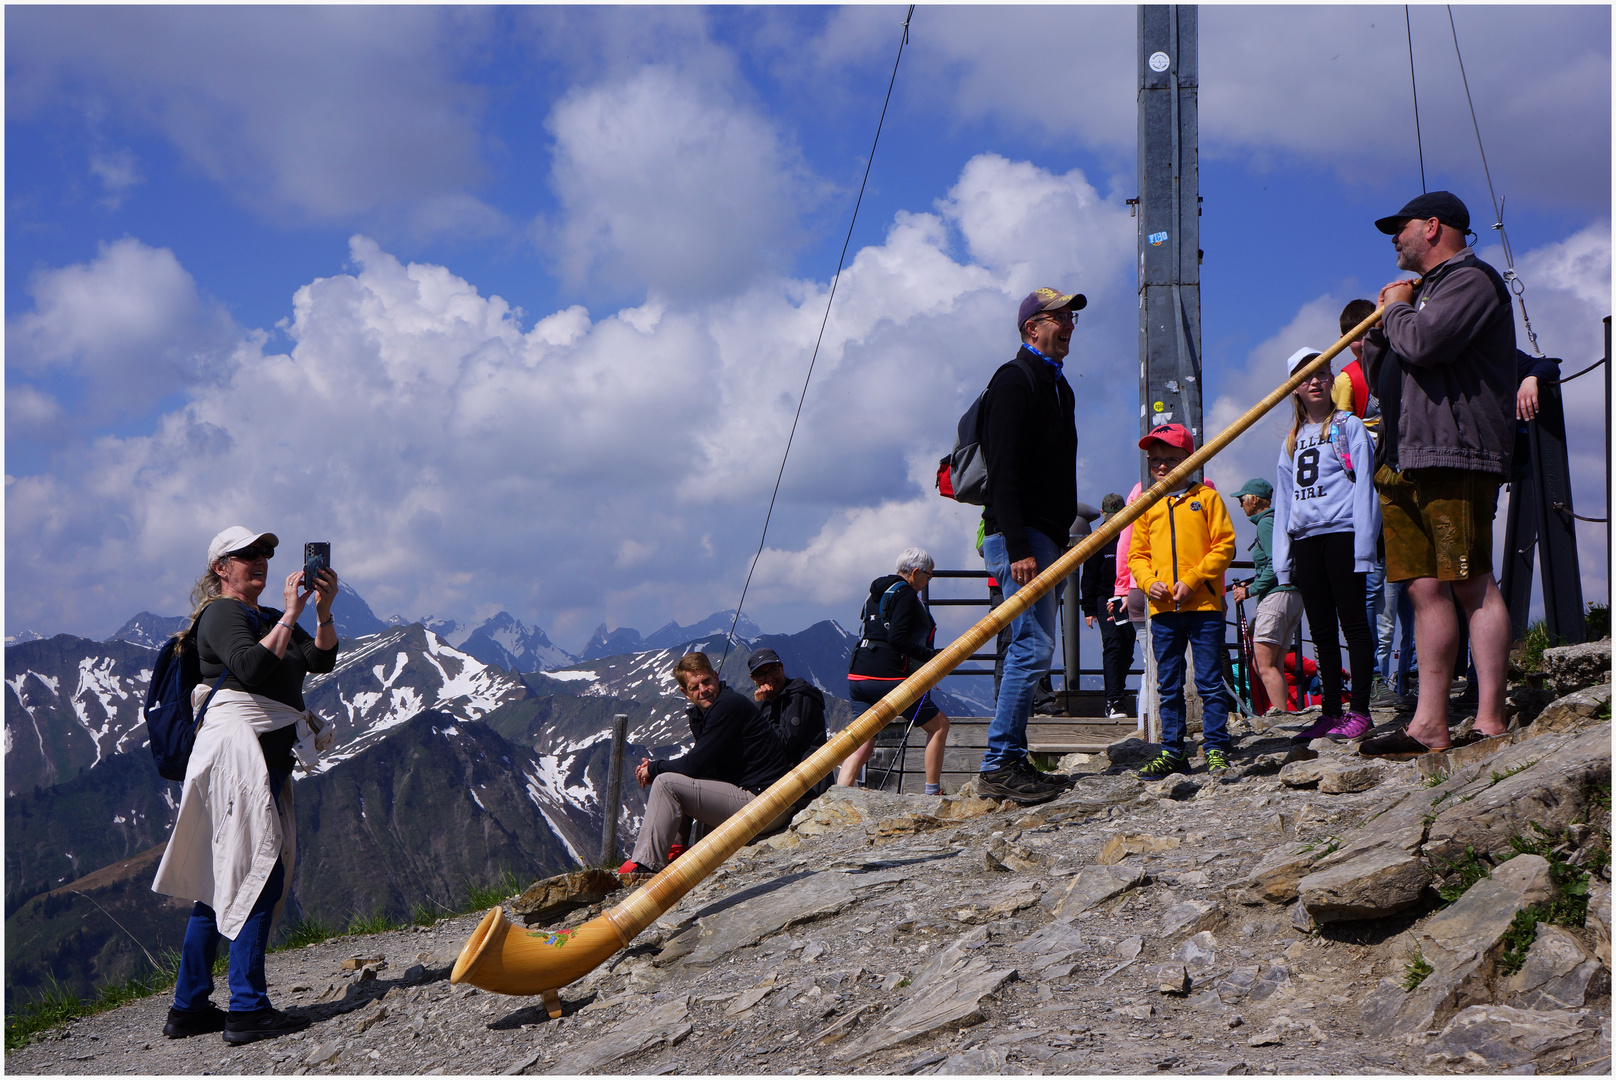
x,y
968,738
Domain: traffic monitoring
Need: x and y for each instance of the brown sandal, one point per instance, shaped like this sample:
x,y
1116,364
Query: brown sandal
x,y
1398,745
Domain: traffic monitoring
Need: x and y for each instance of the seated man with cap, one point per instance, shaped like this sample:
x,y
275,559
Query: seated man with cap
x,y
795,707
737,754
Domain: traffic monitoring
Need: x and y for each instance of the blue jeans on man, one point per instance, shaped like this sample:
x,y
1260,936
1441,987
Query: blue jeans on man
x,y
1032,647
1202,632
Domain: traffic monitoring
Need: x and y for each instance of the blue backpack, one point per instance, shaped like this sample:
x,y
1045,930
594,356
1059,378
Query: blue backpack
x,y
171,727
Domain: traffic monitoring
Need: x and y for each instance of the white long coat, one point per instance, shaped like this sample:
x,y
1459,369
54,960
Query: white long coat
x,y
228,832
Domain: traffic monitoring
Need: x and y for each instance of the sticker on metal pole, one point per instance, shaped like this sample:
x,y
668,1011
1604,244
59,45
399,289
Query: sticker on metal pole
x,y
1157,239
1159,61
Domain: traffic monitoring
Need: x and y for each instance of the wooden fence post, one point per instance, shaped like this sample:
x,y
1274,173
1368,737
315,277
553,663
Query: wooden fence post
x,y
612,808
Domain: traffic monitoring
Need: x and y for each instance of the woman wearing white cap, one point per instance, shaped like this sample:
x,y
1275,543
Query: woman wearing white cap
x,y
234,841
1326,528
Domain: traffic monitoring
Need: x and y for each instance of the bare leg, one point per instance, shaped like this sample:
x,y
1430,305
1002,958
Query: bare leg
x,y
936,730
1273,680
1488,618
1436,636
855,761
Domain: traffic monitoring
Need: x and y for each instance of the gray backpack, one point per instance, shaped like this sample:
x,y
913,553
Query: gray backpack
x,y
963,474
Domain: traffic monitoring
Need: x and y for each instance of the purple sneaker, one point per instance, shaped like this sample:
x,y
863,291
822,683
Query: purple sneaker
x,y
1318,730
1352,726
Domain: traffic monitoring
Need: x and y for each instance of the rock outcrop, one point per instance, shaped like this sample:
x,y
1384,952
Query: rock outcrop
x,y
1237,924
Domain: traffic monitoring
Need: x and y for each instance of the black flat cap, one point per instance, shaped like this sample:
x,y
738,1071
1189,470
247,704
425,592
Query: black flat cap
x,y
1442,205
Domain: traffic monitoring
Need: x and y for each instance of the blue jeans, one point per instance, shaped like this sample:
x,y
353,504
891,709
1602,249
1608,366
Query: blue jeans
x,y
1202,632
1375,600
1032,647
249,990
1396,608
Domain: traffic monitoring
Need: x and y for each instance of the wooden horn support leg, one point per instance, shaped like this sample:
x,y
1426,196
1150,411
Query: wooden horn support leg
x,y
504,959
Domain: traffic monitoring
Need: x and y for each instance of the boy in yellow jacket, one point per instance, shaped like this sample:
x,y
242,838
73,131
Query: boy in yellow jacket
x,y
1178,553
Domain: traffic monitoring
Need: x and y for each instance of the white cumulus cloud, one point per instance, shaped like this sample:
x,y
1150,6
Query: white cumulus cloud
x,y
116,333
594,464
667,183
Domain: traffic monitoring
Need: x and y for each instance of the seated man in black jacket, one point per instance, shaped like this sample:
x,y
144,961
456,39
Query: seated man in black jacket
x,y
737,754
794,707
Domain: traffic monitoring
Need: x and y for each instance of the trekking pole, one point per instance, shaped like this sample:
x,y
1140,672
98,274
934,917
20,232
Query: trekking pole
x,y
903,748
503,960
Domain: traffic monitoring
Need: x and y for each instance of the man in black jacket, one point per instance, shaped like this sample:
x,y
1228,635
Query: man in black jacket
x,y
1098,599
737,754
795,708
1030,444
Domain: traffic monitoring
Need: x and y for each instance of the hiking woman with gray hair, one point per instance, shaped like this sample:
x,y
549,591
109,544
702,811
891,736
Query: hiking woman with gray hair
x,y
895,638
234,842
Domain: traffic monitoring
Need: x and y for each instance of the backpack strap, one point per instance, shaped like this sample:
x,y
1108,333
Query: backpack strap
x,y
225,673
881,608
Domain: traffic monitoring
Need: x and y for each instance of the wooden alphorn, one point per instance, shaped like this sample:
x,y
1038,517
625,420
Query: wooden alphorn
x,y
507,960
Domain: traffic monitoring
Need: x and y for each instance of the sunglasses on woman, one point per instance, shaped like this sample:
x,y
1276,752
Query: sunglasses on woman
x,y
248,554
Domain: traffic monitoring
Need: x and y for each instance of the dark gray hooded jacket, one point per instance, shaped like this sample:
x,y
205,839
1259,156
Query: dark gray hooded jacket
x,y
1444,368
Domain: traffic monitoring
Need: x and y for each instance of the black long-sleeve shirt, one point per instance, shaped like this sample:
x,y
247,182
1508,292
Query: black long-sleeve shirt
x,y
1030,441
736,744
228,635
1099,581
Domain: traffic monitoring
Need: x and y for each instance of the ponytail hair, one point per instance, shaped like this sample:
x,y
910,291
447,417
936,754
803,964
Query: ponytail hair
x,y
207,589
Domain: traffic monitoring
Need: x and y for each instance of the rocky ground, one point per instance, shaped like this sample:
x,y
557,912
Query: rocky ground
x,y
1266,922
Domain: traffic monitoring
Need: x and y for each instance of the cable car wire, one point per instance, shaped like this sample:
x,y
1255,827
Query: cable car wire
x,y
729,639
1419,144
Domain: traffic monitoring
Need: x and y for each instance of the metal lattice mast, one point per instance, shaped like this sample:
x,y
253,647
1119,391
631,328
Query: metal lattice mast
x,y
1169,221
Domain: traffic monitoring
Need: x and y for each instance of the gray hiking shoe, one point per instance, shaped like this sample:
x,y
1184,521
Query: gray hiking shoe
x,y
1018,783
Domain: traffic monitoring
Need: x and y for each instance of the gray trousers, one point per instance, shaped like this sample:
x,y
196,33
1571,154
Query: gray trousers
x,y
674,796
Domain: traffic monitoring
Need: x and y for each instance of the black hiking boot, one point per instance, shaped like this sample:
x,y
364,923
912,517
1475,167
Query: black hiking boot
x,y
1018,783
183,1023
1060,780
246,1027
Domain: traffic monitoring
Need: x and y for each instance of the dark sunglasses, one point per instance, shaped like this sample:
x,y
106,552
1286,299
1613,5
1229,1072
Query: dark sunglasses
x,y
248,554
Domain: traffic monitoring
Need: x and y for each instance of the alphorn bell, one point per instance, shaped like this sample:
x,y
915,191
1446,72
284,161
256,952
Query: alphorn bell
x,y
504,959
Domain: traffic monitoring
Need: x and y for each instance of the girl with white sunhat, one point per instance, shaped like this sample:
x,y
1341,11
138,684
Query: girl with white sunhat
x,y
1326,524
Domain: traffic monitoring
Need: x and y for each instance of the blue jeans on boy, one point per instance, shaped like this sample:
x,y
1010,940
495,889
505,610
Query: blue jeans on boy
x,y
1032,647
249,989
1202,632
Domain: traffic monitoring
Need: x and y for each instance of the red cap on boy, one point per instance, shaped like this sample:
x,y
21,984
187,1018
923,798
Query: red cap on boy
x,y
1176,435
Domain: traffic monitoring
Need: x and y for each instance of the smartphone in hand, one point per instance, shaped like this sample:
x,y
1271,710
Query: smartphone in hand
x,y
316,557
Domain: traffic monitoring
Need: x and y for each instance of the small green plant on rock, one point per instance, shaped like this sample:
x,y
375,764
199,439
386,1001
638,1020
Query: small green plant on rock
x,y
1415,971
1517,940
1597,620
1533,642
1500,777
1469,870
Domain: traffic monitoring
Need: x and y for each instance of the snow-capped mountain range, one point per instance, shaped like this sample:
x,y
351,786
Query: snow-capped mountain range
x,y
460,752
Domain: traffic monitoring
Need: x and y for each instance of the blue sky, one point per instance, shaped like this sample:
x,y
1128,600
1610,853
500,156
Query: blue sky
x,y
513,305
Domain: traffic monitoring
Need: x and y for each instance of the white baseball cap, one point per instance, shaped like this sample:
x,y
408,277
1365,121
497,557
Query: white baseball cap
x,y
1300,357
237,537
